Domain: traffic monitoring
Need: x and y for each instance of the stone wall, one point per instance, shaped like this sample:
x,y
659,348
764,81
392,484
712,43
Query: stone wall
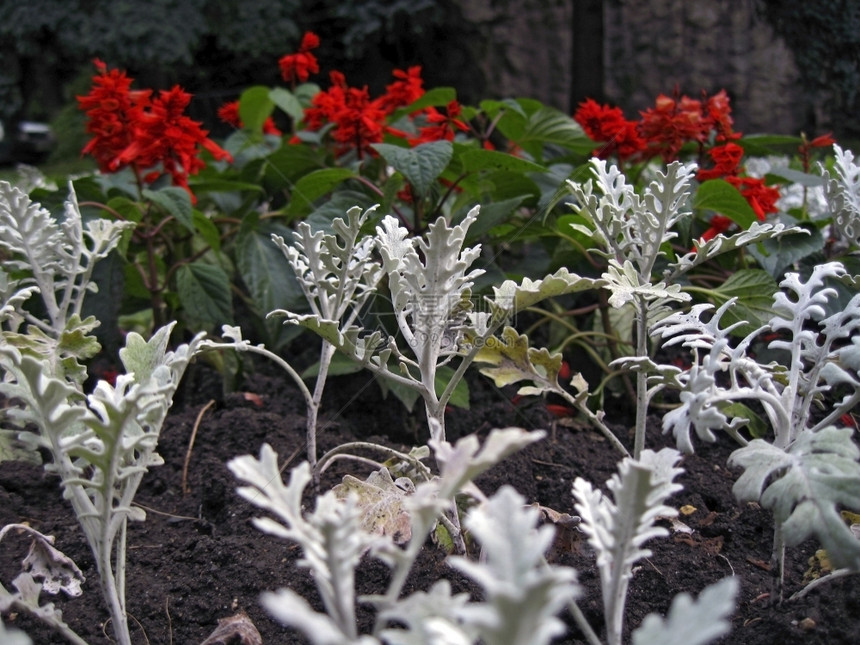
x,y
649,48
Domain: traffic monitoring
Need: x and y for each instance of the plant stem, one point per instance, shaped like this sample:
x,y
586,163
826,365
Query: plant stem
x,y
777,563
641,377
326,354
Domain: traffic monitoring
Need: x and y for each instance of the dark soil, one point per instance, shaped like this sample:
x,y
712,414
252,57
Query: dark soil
x,y
197,558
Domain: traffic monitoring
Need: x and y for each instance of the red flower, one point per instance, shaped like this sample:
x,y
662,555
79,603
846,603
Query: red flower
x,y
111,108
163,134
442,126
719,224
359,122
302,64
719,116
727,159
229,114
762,198
407,88
608,125
151,135
671,123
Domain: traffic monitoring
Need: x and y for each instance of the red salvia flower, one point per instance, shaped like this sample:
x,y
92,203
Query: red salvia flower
x,y
761,197
608,125
229,114
442,126
111,108
727,159
151,135
407,88
302,64
719,224
671,123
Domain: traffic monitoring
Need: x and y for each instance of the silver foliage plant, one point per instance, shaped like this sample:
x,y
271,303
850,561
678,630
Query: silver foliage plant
x,y
809,469
843,195
632,232
101,444
522,593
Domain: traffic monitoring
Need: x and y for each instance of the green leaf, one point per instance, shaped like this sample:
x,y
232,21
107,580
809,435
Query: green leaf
x,y
551,126
255,106
421,165
721,197
797,177
438,96
313,186
204,291
216,184
754,290
208,231
762,145
267,275
756,425
176,201
288,102
460,396
775,255
491,215
480,159
340,364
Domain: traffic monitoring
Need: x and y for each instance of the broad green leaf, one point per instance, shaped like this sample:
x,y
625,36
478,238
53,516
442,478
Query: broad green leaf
x,y
798,177
288,102
208,231
721,197
176,201
313,186
756,425
438,96
460,396
754,291
421,165
775,255
479,159
491,215
340,364
267,275
762,145
549,126
204,291
255,106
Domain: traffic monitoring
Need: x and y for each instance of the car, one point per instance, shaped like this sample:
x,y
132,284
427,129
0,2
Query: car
x,y
26,142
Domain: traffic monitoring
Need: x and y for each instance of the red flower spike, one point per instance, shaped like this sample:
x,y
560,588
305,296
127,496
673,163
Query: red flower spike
x,y
133,129
608,125
407,88
299,66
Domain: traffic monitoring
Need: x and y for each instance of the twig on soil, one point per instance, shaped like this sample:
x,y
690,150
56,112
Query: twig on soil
x,y
185,489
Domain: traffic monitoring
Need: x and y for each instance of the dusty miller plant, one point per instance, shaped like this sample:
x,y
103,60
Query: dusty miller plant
x,y
337,275
617,528
522,593
808,470
100,443
633,232
843,195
